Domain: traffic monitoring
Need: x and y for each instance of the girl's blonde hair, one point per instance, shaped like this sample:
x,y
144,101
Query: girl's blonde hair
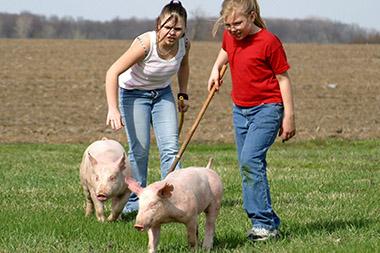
x,y
243,6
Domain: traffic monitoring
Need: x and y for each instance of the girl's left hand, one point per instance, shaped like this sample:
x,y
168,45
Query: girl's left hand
x,y
288,128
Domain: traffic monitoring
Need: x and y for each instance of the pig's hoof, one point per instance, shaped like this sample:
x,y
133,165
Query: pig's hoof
x,y
206,248
111,218
101,219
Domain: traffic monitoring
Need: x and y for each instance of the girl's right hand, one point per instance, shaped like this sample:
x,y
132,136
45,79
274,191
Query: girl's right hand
x,y
214,80
114,119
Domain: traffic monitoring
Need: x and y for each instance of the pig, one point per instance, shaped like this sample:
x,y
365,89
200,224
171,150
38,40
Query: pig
x,y
180,197
103,169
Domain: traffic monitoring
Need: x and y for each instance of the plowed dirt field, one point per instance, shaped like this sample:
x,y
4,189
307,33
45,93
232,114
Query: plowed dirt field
x,y
52,91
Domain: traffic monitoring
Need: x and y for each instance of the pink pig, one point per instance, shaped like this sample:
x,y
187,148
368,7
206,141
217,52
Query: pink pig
x,y
102,171
180,197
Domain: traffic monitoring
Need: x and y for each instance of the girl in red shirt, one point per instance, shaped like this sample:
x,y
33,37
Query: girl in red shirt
x,y
262,104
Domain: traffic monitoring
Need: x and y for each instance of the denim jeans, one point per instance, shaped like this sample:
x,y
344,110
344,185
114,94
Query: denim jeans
x,y
256,129
140,110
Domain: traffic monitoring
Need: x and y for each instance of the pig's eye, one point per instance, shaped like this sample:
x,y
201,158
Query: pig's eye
x,y
97,178
112,178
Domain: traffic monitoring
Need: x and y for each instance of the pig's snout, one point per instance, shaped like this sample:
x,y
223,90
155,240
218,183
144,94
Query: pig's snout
x,y
102,196
139,227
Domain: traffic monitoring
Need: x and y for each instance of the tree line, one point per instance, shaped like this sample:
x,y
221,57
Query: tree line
x,y
313,30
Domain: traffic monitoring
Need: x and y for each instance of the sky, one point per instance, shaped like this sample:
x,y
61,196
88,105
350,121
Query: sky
x,y
364,13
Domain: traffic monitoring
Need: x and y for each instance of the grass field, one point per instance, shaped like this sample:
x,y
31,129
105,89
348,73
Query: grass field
x,y
326,192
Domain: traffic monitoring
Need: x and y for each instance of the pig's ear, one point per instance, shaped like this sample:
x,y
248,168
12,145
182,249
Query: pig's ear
x,y
121,162
133,185
92,159
165,191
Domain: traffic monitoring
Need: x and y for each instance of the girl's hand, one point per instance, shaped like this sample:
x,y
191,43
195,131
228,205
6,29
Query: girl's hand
x,y
288,128
114,119
214,80
182,105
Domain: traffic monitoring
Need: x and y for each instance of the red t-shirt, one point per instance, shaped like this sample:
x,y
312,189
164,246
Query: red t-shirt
x,y
254,63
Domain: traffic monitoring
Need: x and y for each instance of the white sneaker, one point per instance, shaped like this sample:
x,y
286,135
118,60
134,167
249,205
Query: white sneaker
x,y
262,234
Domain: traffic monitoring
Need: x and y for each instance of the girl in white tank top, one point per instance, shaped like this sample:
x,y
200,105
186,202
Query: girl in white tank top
x,y
139,83
153,72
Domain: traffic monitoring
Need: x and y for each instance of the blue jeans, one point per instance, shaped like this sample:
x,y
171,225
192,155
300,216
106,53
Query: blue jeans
x,y
140,110
256,129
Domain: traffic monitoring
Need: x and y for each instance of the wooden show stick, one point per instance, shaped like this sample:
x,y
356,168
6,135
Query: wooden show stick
x,y
197,121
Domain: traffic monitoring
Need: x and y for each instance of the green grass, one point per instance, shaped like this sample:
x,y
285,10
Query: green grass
x,y
326,192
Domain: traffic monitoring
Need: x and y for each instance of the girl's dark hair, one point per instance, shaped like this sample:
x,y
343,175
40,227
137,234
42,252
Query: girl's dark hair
x,y
175,10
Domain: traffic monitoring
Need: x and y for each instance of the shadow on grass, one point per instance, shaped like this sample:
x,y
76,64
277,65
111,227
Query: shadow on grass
x,y
326,226
127,217
229,241
232,202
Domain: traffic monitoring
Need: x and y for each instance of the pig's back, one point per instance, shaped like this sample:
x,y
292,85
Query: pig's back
x,y
106,150
187,176
204,183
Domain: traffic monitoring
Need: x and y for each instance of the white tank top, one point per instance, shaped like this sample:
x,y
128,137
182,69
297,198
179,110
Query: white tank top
x,y
153,72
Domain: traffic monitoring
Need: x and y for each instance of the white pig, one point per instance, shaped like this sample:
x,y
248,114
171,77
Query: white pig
x,y
102,172
180,197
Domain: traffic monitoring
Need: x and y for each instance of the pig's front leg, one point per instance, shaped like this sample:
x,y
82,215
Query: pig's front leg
x,y
192,232
118,204
99,208
154,237
89,204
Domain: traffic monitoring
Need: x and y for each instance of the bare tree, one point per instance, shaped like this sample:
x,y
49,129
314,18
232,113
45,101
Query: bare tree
x,y
196,24
311,30
2,35
7,25
23,26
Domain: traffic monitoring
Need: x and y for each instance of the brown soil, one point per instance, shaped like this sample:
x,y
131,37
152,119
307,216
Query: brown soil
x,y
52,91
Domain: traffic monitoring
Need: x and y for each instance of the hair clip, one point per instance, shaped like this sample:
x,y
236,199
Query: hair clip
x,y
175,2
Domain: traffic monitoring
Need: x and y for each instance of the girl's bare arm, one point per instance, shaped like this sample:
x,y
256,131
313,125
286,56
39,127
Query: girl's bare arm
x,y
135,53
288,129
